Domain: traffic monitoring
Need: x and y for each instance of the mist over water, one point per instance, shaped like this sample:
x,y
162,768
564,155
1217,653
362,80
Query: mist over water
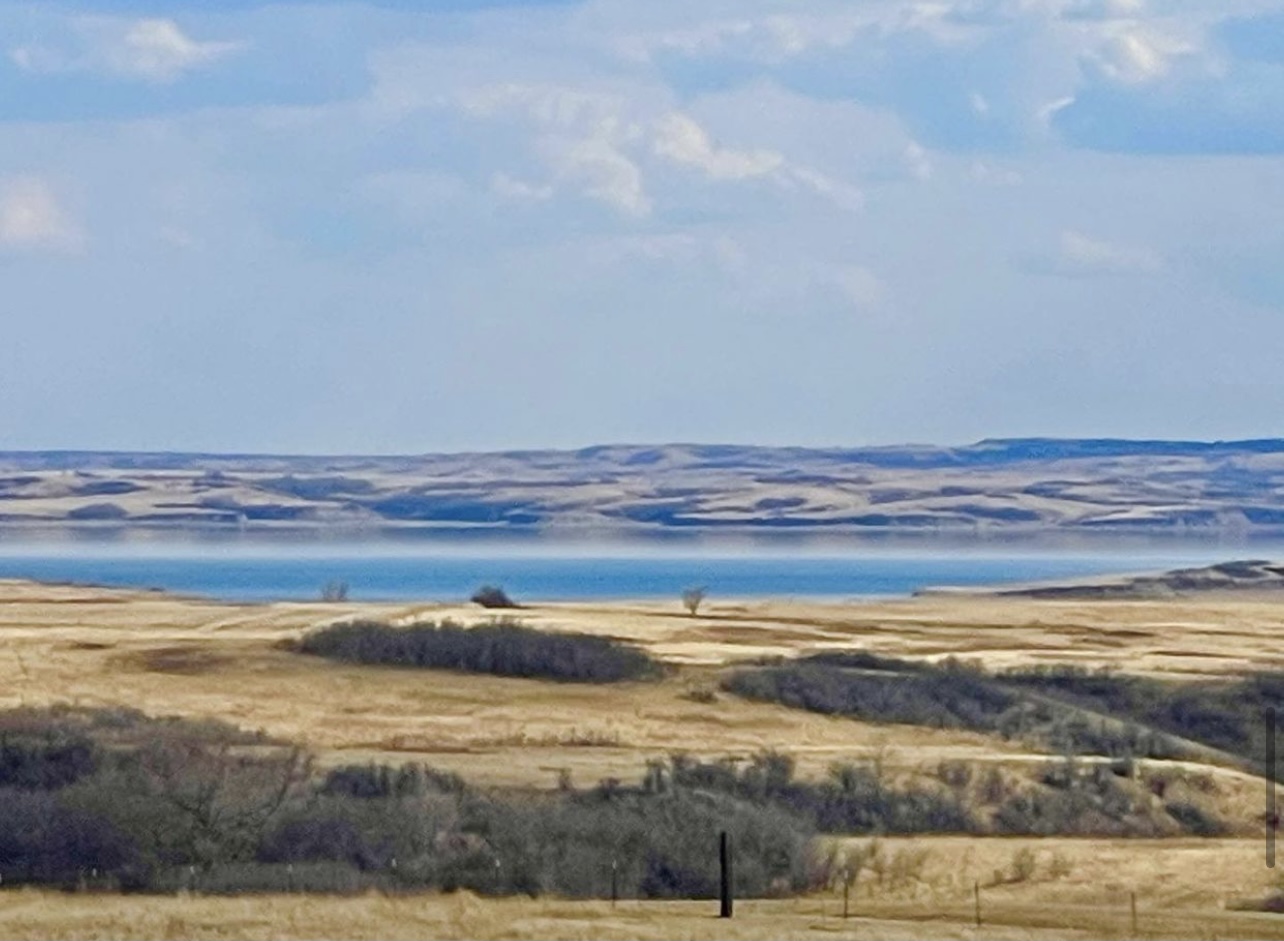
x,y
272,569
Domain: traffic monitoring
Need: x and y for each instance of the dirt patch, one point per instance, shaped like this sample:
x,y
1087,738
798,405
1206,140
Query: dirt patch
x,y
188,661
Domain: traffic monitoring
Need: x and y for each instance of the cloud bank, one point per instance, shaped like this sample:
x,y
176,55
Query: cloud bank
x,y
391,226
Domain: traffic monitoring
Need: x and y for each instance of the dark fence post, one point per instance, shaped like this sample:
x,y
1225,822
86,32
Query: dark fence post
x,y
724,857
1272,813
1133,902
976,893
847,887
615,882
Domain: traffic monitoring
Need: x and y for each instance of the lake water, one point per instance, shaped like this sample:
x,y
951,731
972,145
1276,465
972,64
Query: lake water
x,y
374,573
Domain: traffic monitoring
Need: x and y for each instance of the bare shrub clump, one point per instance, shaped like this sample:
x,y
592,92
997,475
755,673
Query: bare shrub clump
x,y
493,596
502,647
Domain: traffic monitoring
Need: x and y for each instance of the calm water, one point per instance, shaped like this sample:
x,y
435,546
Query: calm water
x,y
376,575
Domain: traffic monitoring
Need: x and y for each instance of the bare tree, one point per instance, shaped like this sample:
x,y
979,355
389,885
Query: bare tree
x,y
227,796
334,590
692,598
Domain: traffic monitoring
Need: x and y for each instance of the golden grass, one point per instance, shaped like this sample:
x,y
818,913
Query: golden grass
x,y
174,656
1181,887
170,655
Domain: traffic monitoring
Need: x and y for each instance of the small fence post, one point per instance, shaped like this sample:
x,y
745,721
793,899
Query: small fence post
x,y
615,882
724,857
976,894
1133,904
847,887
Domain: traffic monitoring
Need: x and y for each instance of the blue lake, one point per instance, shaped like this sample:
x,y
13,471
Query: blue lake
x,y
374,573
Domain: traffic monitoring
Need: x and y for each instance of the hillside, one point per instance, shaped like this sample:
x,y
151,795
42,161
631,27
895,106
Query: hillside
x,y
1019,485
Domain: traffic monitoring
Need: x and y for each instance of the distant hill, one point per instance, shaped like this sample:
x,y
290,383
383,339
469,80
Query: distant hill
x,y
1023,484
1255,577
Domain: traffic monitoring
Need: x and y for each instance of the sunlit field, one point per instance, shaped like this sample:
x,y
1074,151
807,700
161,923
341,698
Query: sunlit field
x,y
165,655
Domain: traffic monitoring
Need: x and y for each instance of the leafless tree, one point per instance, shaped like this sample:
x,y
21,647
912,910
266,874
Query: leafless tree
x,y
227,795
692,598
334,590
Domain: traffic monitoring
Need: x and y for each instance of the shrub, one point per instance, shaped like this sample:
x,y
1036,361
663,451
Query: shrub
x,y
504,648
492,596
1023,865
700,694
375,781
939,699
852,800
44,841
1194,819
1052,708
45,763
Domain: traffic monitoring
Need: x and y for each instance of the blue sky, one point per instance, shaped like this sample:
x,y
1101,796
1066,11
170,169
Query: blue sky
x,y
471,224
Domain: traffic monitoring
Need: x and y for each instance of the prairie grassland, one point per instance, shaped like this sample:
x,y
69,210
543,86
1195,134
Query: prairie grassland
x,y
1078,888
168,655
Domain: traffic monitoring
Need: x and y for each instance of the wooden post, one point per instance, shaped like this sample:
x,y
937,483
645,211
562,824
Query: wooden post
x,y
1133,901
847,887
724,857
976,894
615,882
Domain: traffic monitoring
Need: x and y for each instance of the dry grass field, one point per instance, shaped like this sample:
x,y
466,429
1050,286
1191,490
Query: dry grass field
x,y
1080,889
168,655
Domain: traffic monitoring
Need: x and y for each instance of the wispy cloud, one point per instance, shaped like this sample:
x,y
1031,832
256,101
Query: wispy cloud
x,y
571,186
151,50
601,144
1135,56
31,218
677,137
1079,256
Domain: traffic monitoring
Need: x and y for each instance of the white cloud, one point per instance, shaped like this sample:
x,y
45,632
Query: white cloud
x,y
31,217
983,171
773,38
1136,56
581,136
1079,255
858,285
153,50
158,50
1045,114
604,144
918,162
841,195
507,187
601,171
680,139
1103,9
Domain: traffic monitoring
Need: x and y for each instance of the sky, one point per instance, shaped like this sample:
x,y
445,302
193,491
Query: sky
x,y
402,227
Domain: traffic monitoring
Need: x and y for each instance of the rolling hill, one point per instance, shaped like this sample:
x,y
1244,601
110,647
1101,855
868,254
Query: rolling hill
x,y
1001,485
